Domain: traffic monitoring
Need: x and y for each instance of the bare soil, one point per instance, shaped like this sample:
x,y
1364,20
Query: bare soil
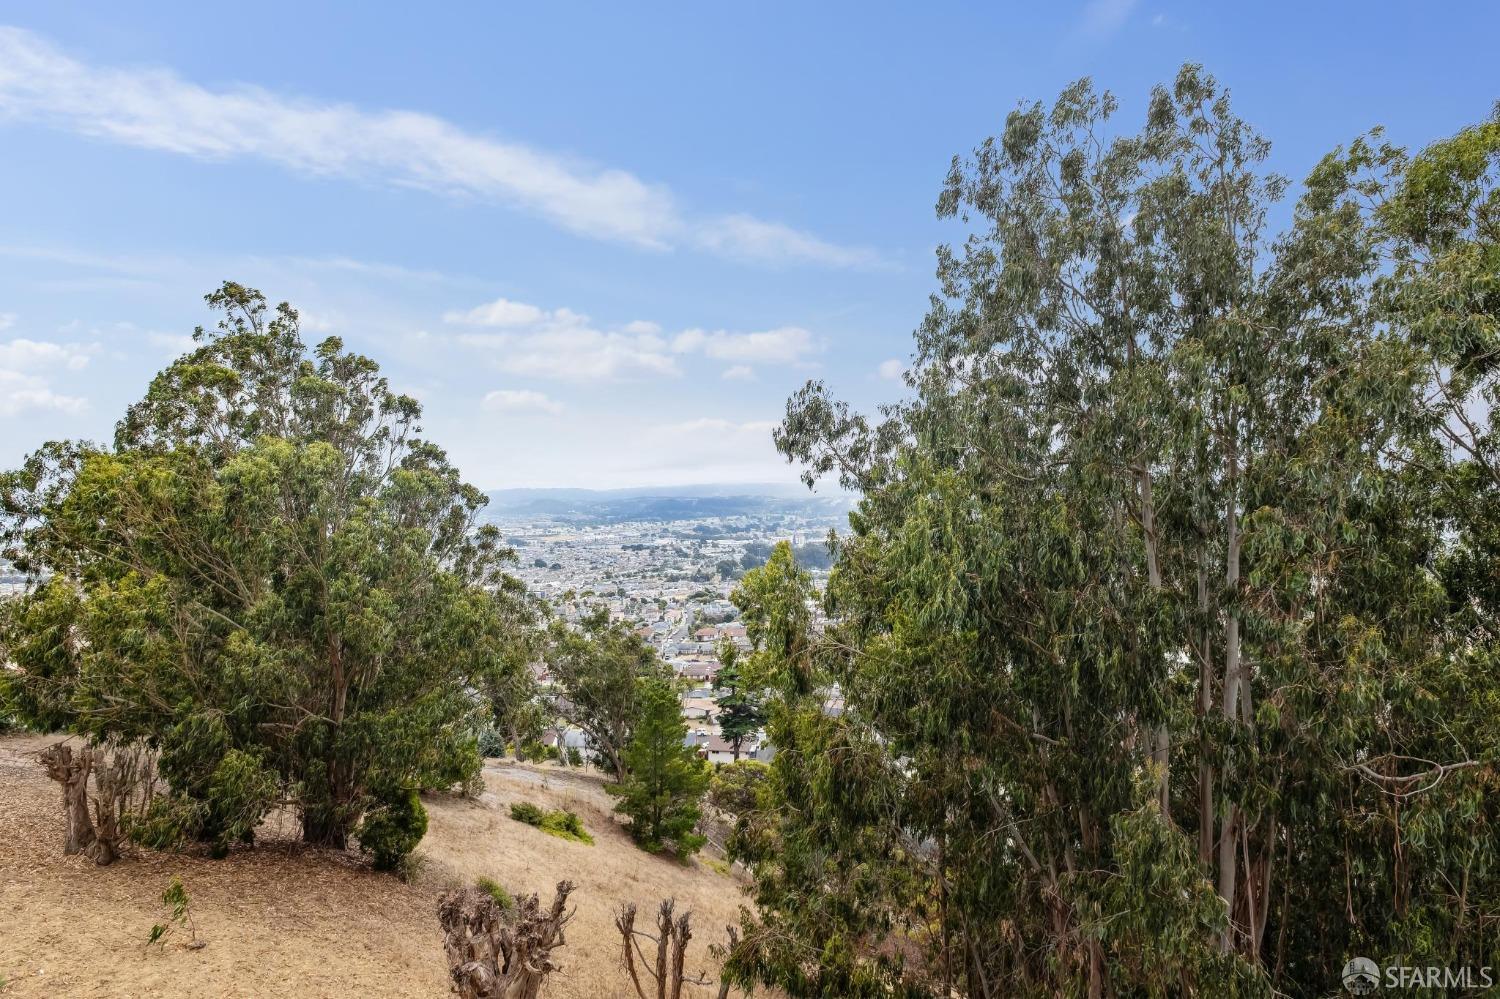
x,y
283,920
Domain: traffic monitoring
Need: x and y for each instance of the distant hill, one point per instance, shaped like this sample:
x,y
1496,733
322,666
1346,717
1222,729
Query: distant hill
x,y
670,503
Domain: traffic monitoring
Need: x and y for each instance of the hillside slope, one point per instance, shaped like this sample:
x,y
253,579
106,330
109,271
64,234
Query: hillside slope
x,y
280,920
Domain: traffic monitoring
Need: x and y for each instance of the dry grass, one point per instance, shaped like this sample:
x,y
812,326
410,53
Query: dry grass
x,y
284,921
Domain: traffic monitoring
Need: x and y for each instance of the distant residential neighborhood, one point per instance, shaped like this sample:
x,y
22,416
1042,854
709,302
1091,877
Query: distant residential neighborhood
x,y
666,566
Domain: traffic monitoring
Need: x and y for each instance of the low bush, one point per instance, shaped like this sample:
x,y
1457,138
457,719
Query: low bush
x,y
566,825
561,823
393,829
525,811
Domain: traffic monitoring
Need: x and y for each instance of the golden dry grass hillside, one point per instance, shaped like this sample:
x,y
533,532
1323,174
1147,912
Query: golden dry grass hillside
x,y
279,920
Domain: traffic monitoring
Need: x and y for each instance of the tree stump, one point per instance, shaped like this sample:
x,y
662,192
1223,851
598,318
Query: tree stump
x,y
495,953
72,772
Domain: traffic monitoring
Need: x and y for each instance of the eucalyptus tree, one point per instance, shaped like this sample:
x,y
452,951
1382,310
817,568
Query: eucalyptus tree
x,y
1148,612
270,576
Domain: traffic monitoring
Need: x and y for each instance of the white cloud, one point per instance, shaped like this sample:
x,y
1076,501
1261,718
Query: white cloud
x,y
519,400
750,238
1102,18
500,312
892,369
26,355
157,109
740,372
7,320
564,344
22,392
23,386
784,345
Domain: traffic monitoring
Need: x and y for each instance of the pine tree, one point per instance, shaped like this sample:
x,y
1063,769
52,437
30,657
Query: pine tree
x,y
740,713
666,778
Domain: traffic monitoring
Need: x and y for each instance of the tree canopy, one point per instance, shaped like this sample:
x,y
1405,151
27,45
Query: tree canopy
x,y
664,779
1160,657
271,577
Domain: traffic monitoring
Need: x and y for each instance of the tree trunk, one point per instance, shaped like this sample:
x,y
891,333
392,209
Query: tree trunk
x,y
501,954
1161,753
1205,706
73,774
1229,837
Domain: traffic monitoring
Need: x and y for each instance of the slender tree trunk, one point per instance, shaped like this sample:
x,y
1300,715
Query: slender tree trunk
x,y
1229,836
327,822
1161,752
1205,706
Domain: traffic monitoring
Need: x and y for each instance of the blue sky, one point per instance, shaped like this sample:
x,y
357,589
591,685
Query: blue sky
x,y
602,243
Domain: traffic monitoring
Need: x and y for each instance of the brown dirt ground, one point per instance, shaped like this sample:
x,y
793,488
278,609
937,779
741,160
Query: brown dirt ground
x,y
280,920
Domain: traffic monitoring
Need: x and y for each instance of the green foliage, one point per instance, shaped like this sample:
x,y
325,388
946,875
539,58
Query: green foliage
x,y
177,900
566,825
1170,591
741,713
598,665
525,811
491,743
268,576
666,778
496,891
220,808
736,788
393,828
561,823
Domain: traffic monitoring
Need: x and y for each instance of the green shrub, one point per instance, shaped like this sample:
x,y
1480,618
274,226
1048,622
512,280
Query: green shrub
x,y
566,825
561,823
491,743
525,811
393,829
496,891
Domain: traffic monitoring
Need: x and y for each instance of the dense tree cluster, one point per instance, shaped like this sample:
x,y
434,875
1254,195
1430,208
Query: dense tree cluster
x,y
270,578
1162,657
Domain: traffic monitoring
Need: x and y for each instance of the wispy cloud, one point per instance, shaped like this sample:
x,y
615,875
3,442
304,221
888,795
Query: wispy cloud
x,y
891,370
7,320
157,109
519,400
1102,18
